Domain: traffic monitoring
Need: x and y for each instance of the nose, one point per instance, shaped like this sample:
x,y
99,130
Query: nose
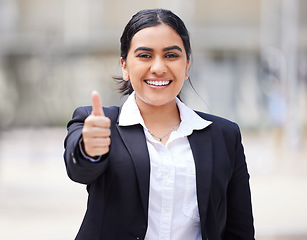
x,y
158,66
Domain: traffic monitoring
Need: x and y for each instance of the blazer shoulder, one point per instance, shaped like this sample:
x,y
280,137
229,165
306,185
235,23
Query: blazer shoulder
x,y
217,121
223,127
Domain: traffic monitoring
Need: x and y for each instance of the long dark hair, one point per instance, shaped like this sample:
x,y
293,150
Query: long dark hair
x,y
149,18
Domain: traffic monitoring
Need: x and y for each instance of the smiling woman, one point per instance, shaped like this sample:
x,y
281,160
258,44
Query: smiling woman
x,y
156,169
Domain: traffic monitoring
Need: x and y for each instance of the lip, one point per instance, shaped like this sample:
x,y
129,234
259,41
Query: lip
x,y
158,82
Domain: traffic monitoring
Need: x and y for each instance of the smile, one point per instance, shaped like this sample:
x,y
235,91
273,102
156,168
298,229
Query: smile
x,y
158,83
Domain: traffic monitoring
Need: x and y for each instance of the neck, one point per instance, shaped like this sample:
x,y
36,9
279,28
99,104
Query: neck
x,y
165,115
160,120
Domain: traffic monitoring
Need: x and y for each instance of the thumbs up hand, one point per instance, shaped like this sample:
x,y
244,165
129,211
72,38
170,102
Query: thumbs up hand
x,y
96,130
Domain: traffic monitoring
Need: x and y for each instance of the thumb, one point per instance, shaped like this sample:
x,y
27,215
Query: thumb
x,y
96,104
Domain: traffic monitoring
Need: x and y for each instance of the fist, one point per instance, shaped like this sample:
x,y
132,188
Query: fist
x,y
96,130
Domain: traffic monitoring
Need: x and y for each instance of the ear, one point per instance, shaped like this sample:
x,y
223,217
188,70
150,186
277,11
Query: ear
x,y
187,68
123,64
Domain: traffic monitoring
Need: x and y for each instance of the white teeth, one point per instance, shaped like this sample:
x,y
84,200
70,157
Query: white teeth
x,y
158,83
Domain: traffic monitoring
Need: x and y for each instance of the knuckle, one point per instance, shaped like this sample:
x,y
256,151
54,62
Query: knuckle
x,y
108,132
85,141
105,150
85,134
107,121
88,119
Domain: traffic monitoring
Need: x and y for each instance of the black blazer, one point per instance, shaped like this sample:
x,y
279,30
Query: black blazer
x,y
118,185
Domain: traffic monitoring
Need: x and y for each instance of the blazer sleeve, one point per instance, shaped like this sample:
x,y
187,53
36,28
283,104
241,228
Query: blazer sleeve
x,y
78,167
239,223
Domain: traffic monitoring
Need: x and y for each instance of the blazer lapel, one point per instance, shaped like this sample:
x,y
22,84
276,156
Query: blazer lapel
x,y
134,139
201,146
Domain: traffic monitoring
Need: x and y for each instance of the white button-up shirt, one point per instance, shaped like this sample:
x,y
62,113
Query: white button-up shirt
x,y
173,209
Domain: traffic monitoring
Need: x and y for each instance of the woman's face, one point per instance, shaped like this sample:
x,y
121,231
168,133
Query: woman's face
x,y
156,65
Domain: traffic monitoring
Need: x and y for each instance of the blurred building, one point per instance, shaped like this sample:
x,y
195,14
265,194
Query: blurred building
x,y
249,58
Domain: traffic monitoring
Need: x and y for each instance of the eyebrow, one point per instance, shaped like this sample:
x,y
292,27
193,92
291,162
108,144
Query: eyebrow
x,y
143,49
164,49
172,48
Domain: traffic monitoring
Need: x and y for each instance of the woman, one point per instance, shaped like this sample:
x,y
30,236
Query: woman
x,y
154,168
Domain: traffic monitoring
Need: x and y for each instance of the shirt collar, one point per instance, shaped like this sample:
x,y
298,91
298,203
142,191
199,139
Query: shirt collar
x,y
189,119
130,115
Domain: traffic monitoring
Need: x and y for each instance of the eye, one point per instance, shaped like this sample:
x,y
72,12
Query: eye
x,y
144,55
171,55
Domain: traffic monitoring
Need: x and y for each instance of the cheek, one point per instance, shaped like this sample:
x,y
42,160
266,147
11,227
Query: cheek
x,y
181,70
136,71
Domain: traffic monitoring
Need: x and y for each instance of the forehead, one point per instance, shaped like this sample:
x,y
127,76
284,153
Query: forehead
x,y
159,36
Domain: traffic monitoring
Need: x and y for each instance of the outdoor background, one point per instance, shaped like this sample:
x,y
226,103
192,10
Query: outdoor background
x,y
249,64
